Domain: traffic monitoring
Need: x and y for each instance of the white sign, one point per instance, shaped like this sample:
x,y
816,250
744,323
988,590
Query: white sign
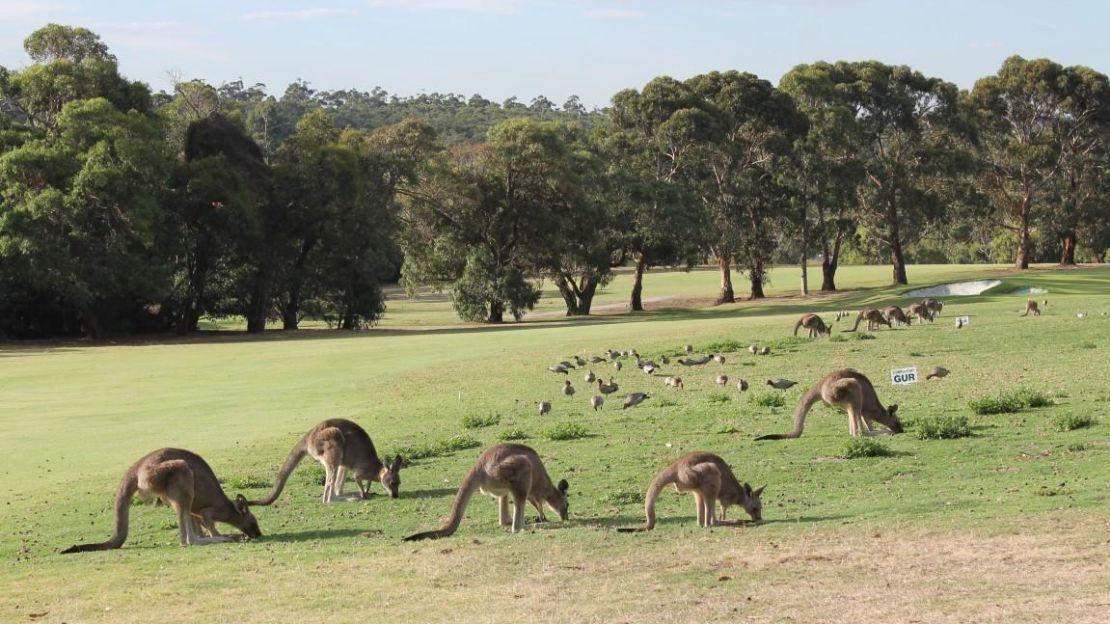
x,y
963,320
902,376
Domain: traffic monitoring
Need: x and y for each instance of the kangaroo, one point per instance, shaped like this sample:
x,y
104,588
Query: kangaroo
x,y
852,392
340,445
1031,306
934,306
506,471
185,482
814,324
711,480
874,319
920,312
894,314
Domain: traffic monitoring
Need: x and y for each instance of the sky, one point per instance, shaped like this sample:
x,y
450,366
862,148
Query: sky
x,y
557,48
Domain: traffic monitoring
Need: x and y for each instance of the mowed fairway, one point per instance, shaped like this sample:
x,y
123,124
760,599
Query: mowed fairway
x,y
1011,524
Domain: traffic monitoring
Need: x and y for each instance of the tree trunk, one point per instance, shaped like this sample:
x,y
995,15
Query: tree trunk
x,y
291,312
496,312
829,262
755,276
1067,256
197,287
1022,260
637,302
805,248
897,258
724,263
259,306
577,298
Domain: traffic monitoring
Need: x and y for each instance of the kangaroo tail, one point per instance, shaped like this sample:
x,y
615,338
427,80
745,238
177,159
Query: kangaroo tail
x,y
127,489
295,457
462,499
859,317
800,412
668,476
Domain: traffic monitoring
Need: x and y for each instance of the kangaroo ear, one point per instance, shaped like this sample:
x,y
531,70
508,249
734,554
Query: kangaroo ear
x,y
893,408
241,503
756,493
563,486
395,465
748,489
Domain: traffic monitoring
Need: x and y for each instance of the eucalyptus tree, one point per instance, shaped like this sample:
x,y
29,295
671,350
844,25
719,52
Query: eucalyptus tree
x,y
650,139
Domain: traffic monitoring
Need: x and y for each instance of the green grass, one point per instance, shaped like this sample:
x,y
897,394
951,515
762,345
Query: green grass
x,y
1009,402
474,421
76,415
864,447
566,431
947,427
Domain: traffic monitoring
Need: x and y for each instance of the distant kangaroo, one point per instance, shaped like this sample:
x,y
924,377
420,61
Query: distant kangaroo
x,y
506,471
710,479
186,483
874,319
852,392
920,312
340,445
894,314
934,306
1031,306
814,324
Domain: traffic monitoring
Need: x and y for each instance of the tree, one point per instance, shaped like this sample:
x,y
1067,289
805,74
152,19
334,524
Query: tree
x,y
54,42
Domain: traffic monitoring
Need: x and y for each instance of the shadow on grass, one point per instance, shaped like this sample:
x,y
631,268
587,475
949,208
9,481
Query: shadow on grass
x,y
433,493
304,536
633,522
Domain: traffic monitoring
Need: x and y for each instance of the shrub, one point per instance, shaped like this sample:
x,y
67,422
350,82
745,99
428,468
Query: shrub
x,y
838,338
623,498
768,399
473,421
513,434
1032,398
865,447
566,431
1071,422
723,346
718,397
667,403
1087,345
942,428
1001,404
865,336
437,449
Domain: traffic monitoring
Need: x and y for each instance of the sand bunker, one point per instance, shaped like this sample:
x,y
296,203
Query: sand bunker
x,y
958,289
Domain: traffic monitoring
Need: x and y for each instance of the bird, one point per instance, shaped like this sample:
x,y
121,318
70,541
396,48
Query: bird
x,y
753,349
613,354
595,359
590,377
634,353
722,380
689,348
665,360
617,365
545,407
765,351
567,364
607,388
596,401
698,361
674,382
567,388
718,358
781,384
558,368
634,399
649,368
579,361
939,372
1080,315
642,363
742,385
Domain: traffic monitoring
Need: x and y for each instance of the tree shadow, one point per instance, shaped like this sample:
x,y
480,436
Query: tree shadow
x,y
302,536
433,493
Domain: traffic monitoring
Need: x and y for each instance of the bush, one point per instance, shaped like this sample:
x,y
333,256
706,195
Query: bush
x,y
718,397
623,498
865,336
865,447
566,431
838,338
942,428
1010,402
1071,422
437,449
723,346
473,421
513,434
1032,398
768,399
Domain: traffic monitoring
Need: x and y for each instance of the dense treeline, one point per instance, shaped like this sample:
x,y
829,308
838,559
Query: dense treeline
x,y
123,210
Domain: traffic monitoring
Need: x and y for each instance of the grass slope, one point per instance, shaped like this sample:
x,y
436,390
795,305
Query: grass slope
x,y
1007,524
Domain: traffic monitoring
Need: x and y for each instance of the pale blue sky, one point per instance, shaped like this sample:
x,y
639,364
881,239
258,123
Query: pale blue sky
x,y
591,48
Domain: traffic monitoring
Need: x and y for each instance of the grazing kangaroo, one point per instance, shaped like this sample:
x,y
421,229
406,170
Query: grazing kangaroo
x,y
814,324
340,445
185,482
919,311
1031,306
852,392
506,471
894,314
874,319
934,306
711,480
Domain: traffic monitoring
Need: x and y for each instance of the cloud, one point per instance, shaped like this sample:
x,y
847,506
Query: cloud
x,y
470,6
174,37
25,7
613,13
295,16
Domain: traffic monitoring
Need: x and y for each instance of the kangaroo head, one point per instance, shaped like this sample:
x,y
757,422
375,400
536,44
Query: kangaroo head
x,y
888,418
558,500
244,519
752,503
391,476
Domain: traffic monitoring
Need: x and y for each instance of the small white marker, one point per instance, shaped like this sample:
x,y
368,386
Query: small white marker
x,y
963,320
904,376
